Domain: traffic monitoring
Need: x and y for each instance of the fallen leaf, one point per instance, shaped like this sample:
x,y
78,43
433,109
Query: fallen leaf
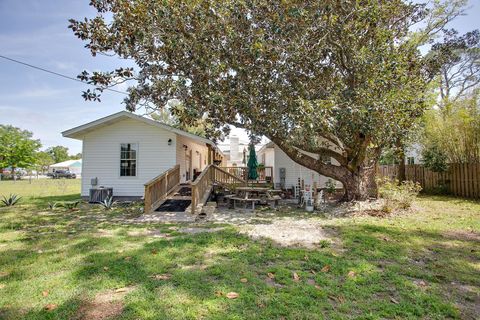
x,y
232,295
271,275
106,268
244,280
120,251
39,251
218,293
339,299
260,305
351,274
305,258
154,251
45,293
4,273
2,286
318,287
420,283
313,272
165,276
128,258
50,307
393,300
296,278
326,268
119,290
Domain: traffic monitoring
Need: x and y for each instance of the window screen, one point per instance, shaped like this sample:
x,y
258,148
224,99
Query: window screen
x,y
128,159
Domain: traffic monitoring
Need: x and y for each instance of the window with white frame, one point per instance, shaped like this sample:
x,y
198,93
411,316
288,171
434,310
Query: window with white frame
x,y
128,159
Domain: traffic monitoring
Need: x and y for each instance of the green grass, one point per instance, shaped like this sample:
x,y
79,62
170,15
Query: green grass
x,y
419,265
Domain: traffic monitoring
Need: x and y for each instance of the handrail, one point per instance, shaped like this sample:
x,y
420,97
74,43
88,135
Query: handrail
x,y
230,175
157,189
264,173
204,183
201,186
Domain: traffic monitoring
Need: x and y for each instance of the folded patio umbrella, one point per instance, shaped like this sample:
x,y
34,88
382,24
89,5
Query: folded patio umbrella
x,y
252,164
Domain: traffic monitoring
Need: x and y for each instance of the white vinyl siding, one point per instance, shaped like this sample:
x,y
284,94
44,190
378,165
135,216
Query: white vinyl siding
x,y
275,157
199,155
101,156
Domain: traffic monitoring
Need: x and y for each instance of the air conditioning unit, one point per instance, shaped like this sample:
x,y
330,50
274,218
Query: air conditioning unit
x,y
97,195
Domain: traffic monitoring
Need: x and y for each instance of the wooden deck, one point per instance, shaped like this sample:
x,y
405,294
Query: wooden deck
x,y
167,186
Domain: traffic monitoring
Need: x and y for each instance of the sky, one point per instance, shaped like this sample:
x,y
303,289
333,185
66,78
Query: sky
x,y
35,32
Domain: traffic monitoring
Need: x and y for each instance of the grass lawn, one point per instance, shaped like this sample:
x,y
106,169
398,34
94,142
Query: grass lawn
x,y
95,264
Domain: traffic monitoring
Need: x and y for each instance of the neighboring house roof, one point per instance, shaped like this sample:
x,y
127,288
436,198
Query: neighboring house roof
x,y
80,131
266,145
68,163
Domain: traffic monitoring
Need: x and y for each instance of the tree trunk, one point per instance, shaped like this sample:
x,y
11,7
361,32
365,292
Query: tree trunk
x,y
14,177
360,185
401,174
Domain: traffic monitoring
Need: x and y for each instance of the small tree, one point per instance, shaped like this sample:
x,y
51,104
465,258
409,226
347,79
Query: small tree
x,y
17,148
43,160
434,159
58,153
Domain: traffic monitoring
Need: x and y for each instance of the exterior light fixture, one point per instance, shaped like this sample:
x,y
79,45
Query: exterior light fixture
x,y
169,142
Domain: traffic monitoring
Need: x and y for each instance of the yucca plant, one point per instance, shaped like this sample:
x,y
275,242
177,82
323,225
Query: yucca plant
x,y
11,200
52,205
108,203
70,204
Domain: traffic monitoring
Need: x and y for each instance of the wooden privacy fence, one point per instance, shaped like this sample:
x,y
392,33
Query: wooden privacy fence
x,y
202,186
157,189
264,173
461,179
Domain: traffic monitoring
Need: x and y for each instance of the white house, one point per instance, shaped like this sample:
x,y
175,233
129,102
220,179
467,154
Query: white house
x,y
124,151
74,166
286,172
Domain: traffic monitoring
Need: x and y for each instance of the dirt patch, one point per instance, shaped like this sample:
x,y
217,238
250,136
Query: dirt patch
x,y
462,235
105,305
466,298
102,233
198,230
293,232
148,233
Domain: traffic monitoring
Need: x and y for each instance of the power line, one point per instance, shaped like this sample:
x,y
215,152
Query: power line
x,y
59,74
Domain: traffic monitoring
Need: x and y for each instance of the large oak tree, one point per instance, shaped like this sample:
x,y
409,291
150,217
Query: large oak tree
x,y
340,79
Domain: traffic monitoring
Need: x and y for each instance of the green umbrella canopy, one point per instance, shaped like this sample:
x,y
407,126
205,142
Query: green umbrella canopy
x,y
252,164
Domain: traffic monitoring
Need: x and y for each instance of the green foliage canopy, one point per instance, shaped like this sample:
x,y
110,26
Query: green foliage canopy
x,y
58,153
17,147
334,78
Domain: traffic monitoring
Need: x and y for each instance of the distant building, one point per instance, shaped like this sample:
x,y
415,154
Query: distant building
x,y
74,166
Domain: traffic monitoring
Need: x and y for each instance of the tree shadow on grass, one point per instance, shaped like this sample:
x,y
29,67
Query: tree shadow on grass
x,y
397,273
202,268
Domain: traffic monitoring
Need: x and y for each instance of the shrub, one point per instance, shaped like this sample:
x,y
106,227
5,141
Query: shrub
x,y
397,196
330,186
11,200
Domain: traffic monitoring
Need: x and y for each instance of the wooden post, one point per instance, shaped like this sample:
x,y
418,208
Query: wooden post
x,y
147,201
194,196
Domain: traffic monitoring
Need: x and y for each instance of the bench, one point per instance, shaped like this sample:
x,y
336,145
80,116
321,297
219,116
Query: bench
x,y
245,200
274,200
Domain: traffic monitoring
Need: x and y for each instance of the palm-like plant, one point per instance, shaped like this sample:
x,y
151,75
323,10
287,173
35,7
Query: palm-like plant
x,y
108,203
11,200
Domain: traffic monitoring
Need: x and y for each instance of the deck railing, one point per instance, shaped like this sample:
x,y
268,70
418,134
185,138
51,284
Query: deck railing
x,y
157,189
264,173
202,186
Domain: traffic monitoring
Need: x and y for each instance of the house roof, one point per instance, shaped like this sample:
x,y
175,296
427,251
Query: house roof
x,y
80,131
68,163
266,145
